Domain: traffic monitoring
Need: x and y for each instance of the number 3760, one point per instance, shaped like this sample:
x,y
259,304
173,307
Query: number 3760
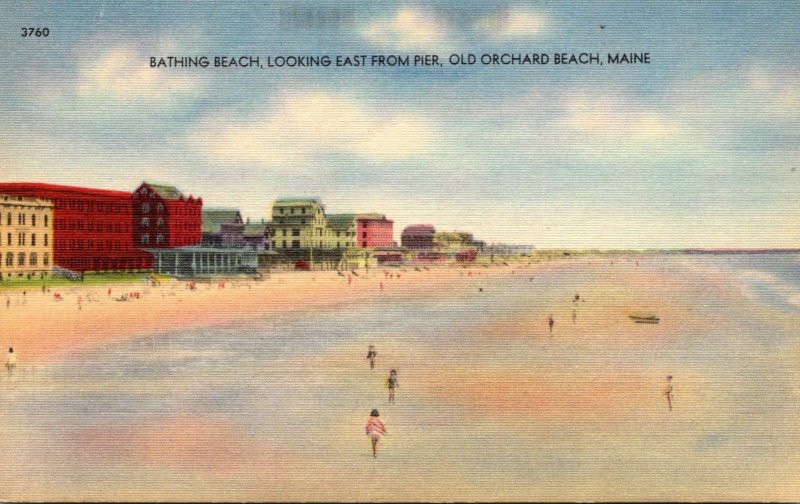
x,y
35,32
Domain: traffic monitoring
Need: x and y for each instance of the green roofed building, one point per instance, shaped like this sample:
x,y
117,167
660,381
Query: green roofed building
x,y
341,231
298,223
223,227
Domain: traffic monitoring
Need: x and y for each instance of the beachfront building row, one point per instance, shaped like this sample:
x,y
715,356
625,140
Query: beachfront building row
x,y
103,230
301,223
26,230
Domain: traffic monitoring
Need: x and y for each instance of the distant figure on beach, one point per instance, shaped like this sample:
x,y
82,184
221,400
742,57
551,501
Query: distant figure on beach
x,y
576,298
11,362
375,430
574,315
349,279
80,302
668,391
551,323
371,354
392,385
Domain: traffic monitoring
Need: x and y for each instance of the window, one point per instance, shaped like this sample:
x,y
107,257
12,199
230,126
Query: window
x,y
45,221
160,207
46,259
284,243
292,210
145,239
45,240
8,221
160,222
284,232
364,235
33,240
295,244
9,259
145,207
145,222
21,239
304,211
338,233
33,220
295,232
34,259
21,259
160,238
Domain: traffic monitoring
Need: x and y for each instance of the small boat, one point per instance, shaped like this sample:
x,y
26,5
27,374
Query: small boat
x,y
643,318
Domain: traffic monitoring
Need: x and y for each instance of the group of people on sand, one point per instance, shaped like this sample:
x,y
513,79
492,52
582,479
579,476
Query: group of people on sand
x,y
375,427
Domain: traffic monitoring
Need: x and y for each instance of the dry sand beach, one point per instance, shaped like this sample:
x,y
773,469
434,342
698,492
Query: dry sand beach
x,y
256,390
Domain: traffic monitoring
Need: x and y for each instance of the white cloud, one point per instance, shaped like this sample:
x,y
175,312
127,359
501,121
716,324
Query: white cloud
x,y
512,23
409,29
616,116
125,74
305,126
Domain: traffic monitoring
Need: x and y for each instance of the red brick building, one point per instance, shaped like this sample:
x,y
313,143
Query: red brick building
x,y
164,218
373,230
92,228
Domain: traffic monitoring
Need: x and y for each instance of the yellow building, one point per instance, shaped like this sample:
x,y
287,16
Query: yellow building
x,y
452,241
341,231
298,223
26,235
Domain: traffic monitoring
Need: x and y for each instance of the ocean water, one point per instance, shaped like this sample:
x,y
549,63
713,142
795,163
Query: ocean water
x,y
273,407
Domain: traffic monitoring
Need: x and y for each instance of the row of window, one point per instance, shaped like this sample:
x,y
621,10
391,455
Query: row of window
x,y
99,245
22,219
146,207
90,206
31,259
90,225
22,239
145,239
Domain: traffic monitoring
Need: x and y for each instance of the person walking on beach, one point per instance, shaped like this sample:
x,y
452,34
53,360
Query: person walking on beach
x,y
371,354
11,362
551,323
574,316
375,430
668,391
392,384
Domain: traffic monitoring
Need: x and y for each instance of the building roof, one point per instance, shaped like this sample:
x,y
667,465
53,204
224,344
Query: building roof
x,y
13,199
255,230
52,191
426,229
297,201
213,218
341,221
371,216
165,191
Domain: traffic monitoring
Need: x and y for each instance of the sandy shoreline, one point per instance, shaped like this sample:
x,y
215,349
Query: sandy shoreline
x,y
42,327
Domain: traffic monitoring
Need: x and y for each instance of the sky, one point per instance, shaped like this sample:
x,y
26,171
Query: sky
x,y
698,148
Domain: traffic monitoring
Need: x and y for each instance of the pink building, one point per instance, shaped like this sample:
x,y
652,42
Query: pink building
x,y
373,230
